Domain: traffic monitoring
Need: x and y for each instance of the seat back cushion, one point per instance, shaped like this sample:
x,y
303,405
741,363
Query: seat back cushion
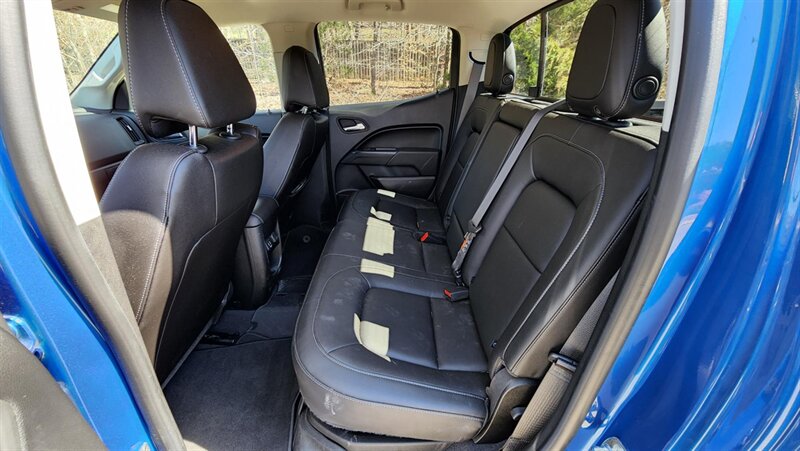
x,y
555,234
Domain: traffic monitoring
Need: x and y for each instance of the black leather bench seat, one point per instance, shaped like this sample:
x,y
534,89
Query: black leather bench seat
x,y
405,212
428,377
379,348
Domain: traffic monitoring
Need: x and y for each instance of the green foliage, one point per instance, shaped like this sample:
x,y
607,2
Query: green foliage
x,y
526,38
563,31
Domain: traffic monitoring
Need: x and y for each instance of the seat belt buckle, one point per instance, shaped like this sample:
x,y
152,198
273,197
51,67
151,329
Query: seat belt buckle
x,y
456,294
563,361
430,238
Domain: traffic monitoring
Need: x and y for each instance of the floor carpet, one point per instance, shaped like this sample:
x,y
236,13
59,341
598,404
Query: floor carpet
x,y
235,397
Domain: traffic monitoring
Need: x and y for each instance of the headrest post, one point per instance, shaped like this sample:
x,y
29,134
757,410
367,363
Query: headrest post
x,y
193,137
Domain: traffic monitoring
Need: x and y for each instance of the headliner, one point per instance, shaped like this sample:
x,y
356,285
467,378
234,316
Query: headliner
x,y
484,15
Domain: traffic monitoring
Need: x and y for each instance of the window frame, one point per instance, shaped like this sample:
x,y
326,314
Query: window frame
x,y
455,56
536,91
96,60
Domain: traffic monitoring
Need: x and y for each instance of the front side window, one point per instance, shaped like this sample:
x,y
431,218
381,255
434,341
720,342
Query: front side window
x,y
251,45
81,40
382,61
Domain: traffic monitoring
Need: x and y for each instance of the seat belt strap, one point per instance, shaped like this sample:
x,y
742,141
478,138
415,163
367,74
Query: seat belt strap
x,y
472,89
475,223
555,382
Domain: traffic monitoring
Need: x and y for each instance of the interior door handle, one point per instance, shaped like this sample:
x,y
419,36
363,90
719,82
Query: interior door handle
x,y
357,127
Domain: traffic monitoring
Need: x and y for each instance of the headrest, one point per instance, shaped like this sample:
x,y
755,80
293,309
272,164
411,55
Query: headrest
x,y
179,68
619,60
501,64
302,81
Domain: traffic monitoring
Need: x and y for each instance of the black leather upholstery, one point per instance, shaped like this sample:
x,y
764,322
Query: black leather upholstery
x,y
378,348
501,65
429,216
618,65
179,68
302,81
299,136
289,154
173,213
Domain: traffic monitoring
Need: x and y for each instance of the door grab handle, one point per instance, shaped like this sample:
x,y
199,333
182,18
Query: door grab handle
x,y
359,126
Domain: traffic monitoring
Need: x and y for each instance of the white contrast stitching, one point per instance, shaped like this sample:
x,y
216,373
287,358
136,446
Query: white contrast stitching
x,y
639,39
180,65
160,237
130,66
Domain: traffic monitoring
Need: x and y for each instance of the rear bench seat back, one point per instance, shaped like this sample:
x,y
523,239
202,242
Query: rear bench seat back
x,y
500,138
378,349
553,237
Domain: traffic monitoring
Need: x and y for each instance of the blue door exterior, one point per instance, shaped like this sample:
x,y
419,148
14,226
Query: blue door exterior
x,y
713,360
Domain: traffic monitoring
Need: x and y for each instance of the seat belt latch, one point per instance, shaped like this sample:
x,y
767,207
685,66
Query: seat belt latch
x,y
563,361
462,253
430,238
457,294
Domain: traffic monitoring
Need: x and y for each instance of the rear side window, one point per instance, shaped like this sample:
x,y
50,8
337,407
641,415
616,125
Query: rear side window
x,y
561,28
527,45
253,48
381,61
81,40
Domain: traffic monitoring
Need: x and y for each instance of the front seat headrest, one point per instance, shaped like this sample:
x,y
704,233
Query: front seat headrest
x,y
302,81
501,65
180,69
619,60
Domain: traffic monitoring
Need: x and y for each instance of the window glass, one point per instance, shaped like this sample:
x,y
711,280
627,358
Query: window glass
x,y
564,25
527,42
381,61
81,40
563,30
252,46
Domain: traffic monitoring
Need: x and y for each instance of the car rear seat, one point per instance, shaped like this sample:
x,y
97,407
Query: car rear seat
x,y
376,238
379,349
421,214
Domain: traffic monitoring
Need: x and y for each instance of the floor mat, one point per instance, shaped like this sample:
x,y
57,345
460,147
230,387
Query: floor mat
x,y
302,248
235,397
275,319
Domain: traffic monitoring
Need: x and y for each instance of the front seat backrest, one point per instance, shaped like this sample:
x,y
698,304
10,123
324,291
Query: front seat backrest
x,y
174,212
298,137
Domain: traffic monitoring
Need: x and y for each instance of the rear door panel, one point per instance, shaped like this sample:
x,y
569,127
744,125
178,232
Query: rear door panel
x,y
399,148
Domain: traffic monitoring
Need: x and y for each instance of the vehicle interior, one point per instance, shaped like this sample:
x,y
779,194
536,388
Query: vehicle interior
x,y
368,224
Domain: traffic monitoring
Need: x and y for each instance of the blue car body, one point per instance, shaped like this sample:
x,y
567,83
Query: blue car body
x,y
713,360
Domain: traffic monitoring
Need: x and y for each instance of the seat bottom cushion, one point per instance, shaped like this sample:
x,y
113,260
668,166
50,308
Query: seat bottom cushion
x,y
380,350
378,240
399,210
